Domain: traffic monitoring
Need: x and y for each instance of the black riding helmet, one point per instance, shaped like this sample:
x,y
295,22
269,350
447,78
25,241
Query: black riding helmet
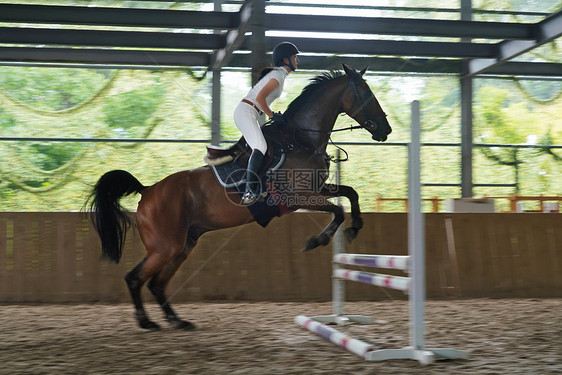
x,y
282,50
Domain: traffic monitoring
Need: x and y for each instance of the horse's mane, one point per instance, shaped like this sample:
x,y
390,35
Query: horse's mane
x,y
311,89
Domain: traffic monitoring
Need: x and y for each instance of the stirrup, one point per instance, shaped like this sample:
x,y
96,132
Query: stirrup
x,y
249,198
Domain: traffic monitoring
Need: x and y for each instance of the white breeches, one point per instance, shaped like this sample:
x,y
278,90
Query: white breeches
x,y
248,120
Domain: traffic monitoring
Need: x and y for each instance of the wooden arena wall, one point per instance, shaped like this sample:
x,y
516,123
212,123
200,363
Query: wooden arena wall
x,y
55,257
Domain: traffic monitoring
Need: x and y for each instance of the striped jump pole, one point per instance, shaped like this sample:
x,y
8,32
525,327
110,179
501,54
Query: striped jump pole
x,y
355,346
397,262
386,281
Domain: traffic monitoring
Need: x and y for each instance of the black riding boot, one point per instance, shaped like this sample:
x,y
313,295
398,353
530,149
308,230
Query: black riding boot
x,y
253,182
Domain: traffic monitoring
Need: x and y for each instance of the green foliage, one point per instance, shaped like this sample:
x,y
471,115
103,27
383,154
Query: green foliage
x,y
47,176
50,156
132,109
52,89
6,120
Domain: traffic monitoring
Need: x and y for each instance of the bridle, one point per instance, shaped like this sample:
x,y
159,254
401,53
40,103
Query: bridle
x,y
370,124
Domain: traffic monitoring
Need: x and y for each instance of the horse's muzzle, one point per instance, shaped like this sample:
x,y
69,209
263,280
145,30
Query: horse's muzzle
x,y
371,126
378,133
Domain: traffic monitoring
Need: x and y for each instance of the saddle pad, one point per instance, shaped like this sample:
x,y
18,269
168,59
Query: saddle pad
x,y
232,175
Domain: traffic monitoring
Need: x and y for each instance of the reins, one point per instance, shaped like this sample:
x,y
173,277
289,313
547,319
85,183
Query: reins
x,y
330,131
334,159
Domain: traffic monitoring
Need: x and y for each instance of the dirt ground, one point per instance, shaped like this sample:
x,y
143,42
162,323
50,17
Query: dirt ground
x,y
515,336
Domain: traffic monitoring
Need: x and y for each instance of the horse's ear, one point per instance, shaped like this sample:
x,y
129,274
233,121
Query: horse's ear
x,y
363,70
348,70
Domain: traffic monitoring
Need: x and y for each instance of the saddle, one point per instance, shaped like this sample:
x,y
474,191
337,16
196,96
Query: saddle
x,y
229,164
230,172
220,155
276,142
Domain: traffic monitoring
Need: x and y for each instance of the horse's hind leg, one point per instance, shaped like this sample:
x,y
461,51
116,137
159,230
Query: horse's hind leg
x,y
135,281
158,283
152,264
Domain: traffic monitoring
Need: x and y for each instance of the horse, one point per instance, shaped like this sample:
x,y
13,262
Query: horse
x,y
175,212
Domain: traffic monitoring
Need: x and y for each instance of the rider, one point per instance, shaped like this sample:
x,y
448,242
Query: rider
x,y
248,115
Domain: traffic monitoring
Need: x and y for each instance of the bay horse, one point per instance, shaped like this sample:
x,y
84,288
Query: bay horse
x,y
174,212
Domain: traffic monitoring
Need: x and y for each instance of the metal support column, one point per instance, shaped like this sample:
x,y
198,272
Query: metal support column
x,y
258,42
466,115
216,108
216,97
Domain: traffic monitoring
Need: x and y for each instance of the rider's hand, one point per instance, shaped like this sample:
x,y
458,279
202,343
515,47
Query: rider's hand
x,y
278,118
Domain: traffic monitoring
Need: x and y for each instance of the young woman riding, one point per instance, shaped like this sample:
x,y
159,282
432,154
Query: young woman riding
x,y
249,114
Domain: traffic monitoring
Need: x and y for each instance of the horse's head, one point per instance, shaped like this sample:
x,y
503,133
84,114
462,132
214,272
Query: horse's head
x,y
360,103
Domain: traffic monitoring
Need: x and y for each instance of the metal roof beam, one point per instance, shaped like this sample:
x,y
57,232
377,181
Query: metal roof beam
x,y
166,40
537,69
171,59
102,38
545,31
165,59
388,47
400,26
74,15
382,64
160,18
234,37
104,56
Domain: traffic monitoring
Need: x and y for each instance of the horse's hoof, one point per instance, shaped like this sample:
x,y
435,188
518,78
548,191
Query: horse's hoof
x,y
350,233
184,325
149,325
310,243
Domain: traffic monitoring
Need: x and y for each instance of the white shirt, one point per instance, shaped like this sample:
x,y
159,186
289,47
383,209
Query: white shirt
x,y
279,74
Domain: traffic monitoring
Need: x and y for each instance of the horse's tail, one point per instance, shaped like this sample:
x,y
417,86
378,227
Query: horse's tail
x,y
109,218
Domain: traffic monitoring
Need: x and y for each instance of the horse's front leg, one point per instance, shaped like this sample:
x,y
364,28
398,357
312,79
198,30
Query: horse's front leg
x,y
326,235
333,190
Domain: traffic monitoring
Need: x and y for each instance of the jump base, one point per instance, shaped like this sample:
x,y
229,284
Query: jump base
x,y
343,320
424,356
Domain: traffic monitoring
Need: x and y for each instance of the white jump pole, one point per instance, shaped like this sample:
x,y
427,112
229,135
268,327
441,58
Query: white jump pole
x,y
397,262
355,346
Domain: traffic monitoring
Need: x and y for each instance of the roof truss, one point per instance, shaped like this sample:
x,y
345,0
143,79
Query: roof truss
x,y
543,32
175,39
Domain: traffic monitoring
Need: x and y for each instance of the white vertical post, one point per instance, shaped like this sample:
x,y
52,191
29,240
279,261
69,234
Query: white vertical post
x,y
338,285
416,234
